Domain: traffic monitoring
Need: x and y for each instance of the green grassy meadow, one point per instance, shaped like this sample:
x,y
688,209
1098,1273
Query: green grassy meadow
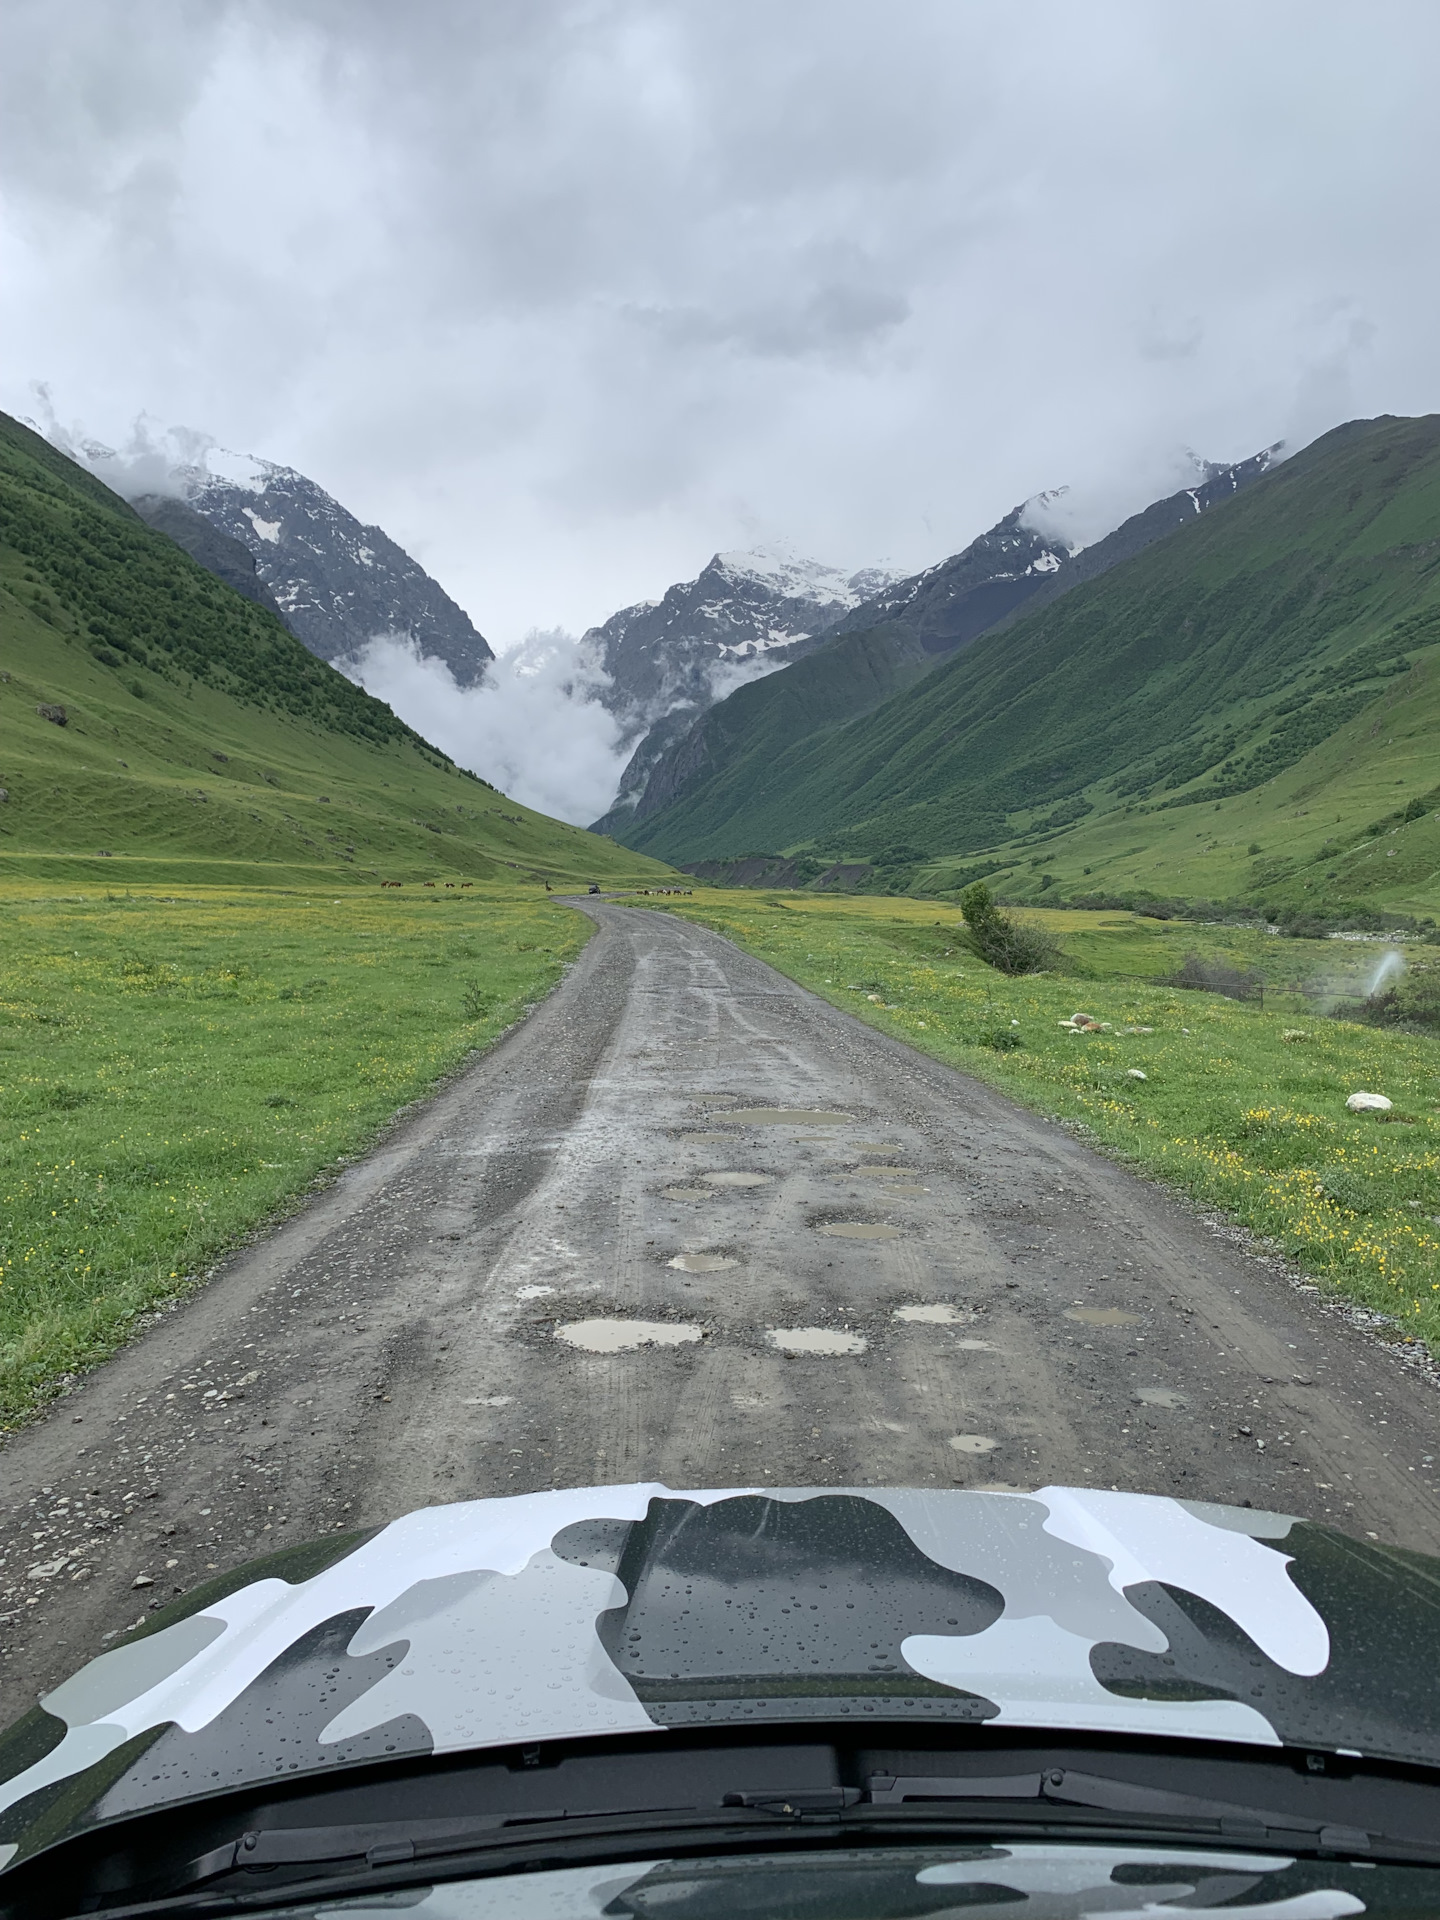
x,y
176,1071
1241,1108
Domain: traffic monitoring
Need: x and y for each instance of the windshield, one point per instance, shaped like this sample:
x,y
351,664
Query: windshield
x,y
1046,1883
719,944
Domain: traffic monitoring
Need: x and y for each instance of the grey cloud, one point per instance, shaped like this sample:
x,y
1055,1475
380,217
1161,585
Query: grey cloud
x,y
566,294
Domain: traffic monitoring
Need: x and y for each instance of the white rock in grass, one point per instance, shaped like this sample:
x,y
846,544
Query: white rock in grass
x,y
1368,1103
1135,1073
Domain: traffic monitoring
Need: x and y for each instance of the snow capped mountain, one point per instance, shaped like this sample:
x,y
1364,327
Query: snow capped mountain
x,y
743,613
337,583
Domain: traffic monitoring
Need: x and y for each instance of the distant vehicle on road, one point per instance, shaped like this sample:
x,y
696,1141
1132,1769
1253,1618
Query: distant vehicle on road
x,y
871,1703
593,888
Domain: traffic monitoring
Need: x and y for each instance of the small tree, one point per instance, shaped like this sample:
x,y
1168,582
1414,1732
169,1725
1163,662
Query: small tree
x,y
999,940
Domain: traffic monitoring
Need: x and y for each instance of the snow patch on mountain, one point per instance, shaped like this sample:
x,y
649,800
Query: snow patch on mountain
x,y
338,583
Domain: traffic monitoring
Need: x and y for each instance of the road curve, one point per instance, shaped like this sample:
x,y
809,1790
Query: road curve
x,y
1014,1311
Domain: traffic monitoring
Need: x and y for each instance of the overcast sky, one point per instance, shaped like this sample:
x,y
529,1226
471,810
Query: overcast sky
x,y
568,296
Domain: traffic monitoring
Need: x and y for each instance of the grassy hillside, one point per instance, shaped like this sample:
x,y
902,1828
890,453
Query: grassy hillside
x,y
201,741
1262,678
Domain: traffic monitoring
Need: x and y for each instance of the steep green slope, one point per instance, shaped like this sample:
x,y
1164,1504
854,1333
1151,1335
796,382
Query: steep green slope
x,y
191,737
1208,667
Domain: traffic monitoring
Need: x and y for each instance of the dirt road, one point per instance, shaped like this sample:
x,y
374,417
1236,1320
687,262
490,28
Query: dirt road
x,y
849,1266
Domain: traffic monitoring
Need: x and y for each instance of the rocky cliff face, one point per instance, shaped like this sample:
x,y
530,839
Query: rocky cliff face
x,y
335,583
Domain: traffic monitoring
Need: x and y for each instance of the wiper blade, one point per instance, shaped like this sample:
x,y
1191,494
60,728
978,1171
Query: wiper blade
x,y
1066,1786
381,1843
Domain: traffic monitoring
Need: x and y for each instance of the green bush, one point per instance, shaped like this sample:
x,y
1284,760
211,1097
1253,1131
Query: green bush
x,y
1000,941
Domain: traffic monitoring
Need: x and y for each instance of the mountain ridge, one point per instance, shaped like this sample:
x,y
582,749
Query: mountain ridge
x,y
157,726
1199,670
922,620
335,582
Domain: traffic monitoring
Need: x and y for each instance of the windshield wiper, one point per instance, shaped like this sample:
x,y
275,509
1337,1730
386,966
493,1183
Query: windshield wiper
x,y
262,1866
1065,1786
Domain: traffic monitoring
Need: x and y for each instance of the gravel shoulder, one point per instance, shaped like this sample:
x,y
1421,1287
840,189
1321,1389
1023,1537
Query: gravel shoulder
x,y
543,1277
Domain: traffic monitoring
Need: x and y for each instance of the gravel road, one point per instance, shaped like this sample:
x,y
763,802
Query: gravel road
x,y
847,1264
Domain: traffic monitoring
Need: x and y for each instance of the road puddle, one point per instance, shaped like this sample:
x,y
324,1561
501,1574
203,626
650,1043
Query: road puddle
x,y
905,1189
1162,1397
972,1443
489,1400
707,1137
625,1336
860,1230
878,1146
738,1179
975,1346
932,1313
702,1262
825,1340
688,1193
787,1117
883,1173
532,1293
1103,1316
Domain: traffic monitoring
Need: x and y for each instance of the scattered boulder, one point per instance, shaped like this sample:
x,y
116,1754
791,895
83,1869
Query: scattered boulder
x,y
56,715
1368,1103
1135,1073
1082,1023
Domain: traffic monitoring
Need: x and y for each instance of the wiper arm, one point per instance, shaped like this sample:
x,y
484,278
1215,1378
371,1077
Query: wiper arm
x,y
1068,1787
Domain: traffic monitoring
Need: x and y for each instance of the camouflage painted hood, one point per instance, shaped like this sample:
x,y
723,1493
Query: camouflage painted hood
x,y
612,1610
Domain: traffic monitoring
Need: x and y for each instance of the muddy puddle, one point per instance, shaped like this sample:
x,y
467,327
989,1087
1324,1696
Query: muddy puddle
x,y
905,1189
709,1138
689,1193
826,1340
878,1146
701,1262
1162,1397
933,1313
972,1443
532,1292
1102,1316
787,1117
860,1230
883,1173
738,1179
625,1336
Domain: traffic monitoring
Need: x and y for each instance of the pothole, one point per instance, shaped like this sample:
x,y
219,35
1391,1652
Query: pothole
x,y
860,1230
532,1293
1162,1397
932,1313
883,1173
738,1179
972,1443
702,1262
975,1346
1103,1316
688,1193
787,1117
488,1400
708,1137
878,1146
815,1340
624,1336
905,1189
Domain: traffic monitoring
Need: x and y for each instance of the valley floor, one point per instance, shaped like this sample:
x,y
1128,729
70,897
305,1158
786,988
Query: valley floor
x,y
690,1222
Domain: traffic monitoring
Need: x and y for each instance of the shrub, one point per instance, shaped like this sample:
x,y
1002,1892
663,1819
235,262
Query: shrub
x,y
999,941
1204,975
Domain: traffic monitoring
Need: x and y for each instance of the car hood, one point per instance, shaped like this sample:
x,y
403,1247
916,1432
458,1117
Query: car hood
x,y
629,1609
